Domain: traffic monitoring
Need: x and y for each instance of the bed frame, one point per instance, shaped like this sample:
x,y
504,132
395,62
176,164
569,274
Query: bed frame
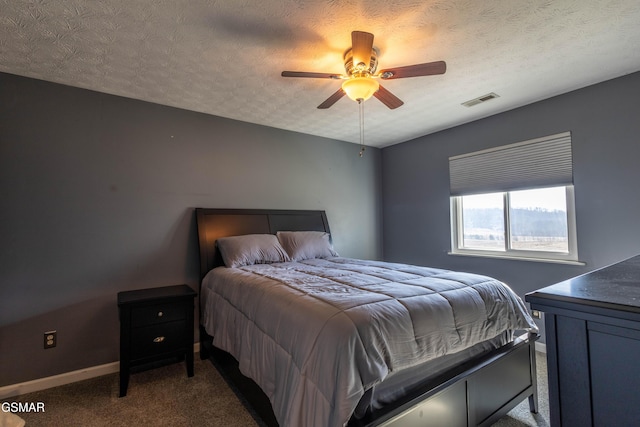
x,y
475,393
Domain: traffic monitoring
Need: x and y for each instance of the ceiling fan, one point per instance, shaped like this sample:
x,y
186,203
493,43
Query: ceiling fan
x,y
360,80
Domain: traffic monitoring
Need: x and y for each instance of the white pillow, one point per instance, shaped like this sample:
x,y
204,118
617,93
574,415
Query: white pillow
x,y
302,245
251,249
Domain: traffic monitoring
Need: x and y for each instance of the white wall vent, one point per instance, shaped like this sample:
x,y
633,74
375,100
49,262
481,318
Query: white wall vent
x,y
481,99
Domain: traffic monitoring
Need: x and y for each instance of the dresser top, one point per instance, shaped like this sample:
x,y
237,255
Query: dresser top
x,y
616,286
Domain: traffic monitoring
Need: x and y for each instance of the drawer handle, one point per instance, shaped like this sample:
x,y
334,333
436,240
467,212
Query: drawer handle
x,y
158,339
160,314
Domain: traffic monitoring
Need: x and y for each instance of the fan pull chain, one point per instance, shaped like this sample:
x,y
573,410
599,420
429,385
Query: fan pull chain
x,y
361,106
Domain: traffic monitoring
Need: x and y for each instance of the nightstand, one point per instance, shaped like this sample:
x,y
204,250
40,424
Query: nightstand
x,y
156,324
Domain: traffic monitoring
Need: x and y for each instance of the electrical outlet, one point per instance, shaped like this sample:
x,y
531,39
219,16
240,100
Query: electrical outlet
x,y
50,339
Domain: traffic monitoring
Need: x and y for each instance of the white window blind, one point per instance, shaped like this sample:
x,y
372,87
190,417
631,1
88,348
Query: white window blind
x,y
536,163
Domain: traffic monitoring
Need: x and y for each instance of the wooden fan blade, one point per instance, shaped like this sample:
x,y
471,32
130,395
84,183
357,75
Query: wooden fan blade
x,y
426,69
332,99
361,47
387,98
310,75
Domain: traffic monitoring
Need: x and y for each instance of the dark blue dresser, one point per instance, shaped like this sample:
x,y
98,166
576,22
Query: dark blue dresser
x,y
593,346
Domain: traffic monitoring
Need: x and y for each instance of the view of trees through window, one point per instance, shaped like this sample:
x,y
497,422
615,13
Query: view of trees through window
x,y
536,220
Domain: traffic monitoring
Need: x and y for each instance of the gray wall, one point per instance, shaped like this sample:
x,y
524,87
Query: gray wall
x,y
605,126
98,194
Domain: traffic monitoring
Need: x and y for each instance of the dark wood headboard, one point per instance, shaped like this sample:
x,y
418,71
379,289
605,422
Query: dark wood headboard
x,y
216,223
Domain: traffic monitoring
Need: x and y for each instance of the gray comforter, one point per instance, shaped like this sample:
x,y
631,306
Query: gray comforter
x,y
316,334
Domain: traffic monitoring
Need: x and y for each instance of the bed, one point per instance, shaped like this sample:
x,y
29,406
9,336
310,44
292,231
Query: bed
x,y
336,341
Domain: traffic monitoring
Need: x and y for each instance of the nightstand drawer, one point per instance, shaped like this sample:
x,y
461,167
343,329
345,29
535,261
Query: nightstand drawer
x,y
159,313
157,339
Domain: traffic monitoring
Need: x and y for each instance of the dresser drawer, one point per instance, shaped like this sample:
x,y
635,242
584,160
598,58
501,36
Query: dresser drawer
x,y
157,339
159,313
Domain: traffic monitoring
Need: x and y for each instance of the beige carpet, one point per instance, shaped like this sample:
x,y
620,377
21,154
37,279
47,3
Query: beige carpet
x,y
167,397
163,396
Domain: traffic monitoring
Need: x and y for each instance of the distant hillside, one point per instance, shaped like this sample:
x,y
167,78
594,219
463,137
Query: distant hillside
x,y
526,222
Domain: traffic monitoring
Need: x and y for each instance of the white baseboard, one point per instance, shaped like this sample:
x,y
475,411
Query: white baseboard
x,y
65,378
58,380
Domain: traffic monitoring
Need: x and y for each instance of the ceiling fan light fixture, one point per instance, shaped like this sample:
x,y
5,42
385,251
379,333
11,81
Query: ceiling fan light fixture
x,y
360,88
360,78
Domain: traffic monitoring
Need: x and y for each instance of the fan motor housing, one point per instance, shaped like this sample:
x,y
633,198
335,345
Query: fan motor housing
x,y
354,70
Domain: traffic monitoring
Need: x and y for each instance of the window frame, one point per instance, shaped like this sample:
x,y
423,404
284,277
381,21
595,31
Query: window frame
x,y
570,257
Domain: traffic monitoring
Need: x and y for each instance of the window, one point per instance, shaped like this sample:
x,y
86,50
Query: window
x,y
534,224
515,201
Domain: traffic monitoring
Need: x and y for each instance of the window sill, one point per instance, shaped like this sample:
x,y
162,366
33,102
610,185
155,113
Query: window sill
x,y
519,258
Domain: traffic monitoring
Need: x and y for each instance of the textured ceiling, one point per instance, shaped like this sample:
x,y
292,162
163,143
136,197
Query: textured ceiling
x,y
224,57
